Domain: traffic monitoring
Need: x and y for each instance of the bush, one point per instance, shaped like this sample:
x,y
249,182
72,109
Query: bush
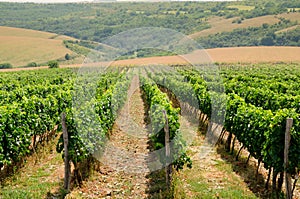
x,y
267,41
67,56
5,65
53,64
32,64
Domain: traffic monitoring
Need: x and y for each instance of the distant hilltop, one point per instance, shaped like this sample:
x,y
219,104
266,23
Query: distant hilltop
x,y
98,1
156,0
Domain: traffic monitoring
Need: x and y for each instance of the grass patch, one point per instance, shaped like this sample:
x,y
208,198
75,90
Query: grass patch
x,y
292,16
21,46
242,7
293,9
157,188
210,177
285,30
41,176
220,24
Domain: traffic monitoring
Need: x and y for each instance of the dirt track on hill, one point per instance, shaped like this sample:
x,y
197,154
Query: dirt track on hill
x,y
222,55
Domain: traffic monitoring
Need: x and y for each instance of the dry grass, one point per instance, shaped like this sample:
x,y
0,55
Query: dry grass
x,y
212,177
21,32
19,51
63,37
255,54
287,29
41,176
259,54
22,46
220,24
242,7
291,16
291,9
227,55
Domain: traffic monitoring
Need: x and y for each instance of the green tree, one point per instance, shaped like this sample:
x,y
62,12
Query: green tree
x,y
267,41
67,56
53,64
265,25
32,64
5,65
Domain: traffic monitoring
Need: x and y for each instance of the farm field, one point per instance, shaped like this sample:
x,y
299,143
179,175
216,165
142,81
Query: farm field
x,y
220,24
226,55
242,7
270,54
36,111
23,46
220,122
255,54
41,47
291,16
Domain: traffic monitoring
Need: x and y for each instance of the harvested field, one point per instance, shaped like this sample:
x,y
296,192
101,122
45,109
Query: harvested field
x,y
242,7
256,54
227,55
219,24
22,46
295,16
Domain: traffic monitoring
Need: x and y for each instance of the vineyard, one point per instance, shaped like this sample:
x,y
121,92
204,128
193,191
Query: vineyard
x,y
250,103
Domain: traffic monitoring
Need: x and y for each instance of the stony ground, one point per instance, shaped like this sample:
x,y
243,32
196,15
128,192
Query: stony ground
x,y
124,172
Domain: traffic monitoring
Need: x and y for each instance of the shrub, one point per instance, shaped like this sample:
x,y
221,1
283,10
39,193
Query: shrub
x,y
67,56
5,65
53,64
32,64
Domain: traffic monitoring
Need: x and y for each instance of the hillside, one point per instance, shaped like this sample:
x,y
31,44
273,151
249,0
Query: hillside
x,y
212,24
261,54
153,100
97,21
269,30
220,24
23,46
226,55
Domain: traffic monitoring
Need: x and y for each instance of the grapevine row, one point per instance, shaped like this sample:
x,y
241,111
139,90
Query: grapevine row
x,y
158,101
32,103
260,131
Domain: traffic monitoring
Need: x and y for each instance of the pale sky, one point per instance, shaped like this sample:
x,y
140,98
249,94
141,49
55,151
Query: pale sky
x,y
69,1
45,1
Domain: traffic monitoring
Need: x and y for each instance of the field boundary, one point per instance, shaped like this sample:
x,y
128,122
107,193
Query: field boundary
x,y
235,55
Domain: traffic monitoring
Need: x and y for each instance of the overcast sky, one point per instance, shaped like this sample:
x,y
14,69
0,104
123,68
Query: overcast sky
x,y
45,1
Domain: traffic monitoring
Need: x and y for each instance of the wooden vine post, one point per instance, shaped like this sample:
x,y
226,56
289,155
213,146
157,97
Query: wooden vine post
x,y
288,183
66,153
168,165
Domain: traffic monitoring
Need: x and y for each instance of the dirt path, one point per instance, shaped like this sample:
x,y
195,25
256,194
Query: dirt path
x,y
217,174
124,173
211,177
212,174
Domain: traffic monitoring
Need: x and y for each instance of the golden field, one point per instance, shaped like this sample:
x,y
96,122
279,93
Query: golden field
x,y
22,46
220,24
261,54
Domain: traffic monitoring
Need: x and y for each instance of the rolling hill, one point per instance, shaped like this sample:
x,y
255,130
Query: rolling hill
x,y
261,54
23,46
221,24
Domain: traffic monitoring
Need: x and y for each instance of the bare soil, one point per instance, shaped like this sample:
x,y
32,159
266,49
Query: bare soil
x,y
124,172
